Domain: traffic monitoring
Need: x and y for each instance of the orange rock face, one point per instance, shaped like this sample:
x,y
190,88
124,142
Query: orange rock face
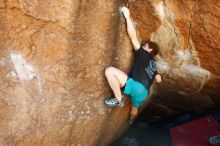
x,y
53,55
189,60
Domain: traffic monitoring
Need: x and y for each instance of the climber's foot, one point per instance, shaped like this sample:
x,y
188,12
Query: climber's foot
x,y
112,101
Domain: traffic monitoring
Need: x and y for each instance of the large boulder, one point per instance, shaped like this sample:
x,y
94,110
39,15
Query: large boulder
x,y
54,53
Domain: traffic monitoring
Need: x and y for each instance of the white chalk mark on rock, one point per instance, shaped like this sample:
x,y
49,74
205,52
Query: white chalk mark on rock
x,y
184,55
23,70
195,71
160,10
162,66
12,74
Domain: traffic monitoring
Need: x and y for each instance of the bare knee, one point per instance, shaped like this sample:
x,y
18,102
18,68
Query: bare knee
x,y
109,71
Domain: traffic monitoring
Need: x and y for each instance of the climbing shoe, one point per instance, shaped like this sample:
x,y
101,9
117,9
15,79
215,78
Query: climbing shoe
x,y
214,140
112,101
130,121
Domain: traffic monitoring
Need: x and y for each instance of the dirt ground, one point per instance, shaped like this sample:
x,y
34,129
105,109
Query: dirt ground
x,y
156,133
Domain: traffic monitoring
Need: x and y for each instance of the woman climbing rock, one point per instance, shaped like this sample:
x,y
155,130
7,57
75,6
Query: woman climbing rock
x,y
142,74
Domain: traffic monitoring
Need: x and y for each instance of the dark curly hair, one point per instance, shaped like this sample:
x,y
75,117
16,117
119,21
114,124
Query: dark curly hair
x,y
152,45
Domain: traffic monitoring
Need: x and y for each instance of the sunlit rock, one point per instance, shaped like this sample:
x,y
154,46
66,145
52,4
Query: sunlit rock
x,y
53,55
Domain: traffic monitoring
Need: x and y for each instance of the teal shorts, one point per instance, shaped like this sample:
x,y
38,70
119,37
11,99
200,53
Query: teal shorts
x,y
137,92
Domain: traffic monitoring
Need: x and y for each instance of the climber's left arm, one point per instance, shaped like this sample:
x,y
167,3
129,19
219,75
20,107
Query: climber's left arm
x,y
131,29
158,78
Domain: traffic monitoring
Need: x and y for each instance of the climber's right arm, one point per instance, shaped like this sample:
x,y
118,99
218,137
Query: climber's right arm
x,y
130,28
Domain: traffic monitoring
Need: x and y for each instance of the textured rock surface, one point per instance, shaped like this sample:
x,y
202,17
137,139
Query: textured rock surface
x,y
53,55
190,45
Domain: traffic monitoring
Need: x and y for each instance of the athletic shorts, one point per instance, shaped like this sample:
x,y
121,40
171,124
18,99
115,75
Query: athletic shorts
x,y
136,90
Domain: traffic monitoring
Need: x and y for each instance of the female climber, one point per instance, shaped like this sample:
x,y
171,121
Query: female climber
x,y
141,76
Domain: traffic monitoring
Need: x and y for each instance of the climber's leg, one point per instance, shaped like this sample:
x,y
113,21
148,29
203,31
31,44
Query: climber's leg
x,y
133,113
116,79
